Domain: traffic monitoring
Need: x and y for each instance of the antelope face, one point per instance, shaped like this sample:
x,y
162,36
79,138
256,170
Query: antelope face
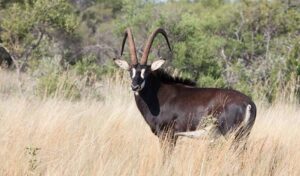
x,y
139,73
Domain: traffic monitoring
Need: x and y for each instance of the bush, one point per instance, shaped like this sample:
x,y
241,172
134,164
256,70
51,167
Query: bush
x,y
88,66
249,46
81,80
57,85
53,81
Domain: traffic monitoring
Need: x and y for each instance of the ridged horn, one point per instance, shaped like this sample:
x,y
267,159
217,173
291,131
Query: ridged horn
x,y
149,44
132,49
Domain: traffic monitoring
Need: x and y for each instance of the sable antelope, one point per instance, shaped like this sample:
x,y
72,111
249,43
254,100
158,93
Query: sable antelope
x,y
175,105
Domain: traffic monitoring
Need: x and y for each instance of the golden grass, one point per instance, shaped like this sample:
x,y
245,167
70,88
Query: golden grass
x,y
89,137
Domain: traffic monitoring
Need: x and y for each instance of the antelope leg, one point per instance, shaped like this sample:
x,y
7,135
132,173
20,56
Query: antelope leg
x,y
209,131
193,134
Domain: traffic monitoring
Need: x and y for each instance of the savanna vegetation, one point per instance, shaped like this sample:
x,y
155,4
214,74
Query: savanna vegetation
x,y
59,86
252,46
55,136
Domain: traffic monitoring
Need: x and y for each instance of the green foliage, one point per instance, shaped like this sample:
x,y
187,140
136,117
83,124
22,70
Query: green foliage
x,y
198,55
25,25
5,3
250,46
52,81
57,85
115,5
88,66
78,81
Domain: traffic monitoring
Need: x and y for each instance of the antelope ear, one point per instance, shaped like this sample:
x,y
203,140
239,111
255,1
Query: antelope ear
x,y
157,64
122,64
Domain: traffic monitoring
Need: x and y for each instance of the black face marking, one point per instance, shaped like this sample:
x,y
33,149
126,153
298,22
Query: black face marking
x,y
138,74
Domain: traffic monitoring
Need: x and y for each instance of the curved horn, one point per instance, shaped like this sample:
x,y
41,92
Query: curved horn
x,y
149,44
131,46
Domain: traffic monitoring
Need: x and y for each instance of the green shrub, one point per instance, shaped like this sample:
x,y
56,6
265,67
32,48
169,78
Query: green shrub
x,y
88,66
57,85
53,81
247,45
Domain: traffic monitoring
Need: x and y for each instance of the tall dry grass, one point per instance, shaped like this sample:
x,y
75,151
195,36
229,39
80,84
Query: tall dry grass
x,y
88,137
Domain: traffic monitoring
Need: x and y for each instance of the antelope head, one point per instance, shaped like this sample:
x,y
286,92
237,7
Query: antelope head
x,y
139,71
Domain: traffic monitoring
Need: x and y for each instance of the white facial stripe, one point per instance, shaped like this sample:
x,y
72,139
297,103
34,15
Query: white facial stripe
x,y
143,73
133,72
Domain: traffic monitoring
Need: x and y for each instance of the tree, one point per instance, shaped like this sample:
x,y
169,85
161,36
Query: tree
x,y
245,45
25,26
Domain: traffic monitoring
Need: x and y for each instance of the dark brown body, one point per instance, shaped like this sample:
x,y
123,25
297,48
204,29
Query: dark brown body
x,y
176,107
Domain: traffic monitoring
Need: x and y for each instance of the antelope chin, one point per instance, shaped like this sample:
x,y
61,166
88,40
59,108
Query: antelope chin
x,y
136,92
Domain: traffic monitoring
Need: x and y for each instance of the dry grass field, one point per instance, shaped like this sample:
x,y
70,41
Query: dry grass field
x,y
53,136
